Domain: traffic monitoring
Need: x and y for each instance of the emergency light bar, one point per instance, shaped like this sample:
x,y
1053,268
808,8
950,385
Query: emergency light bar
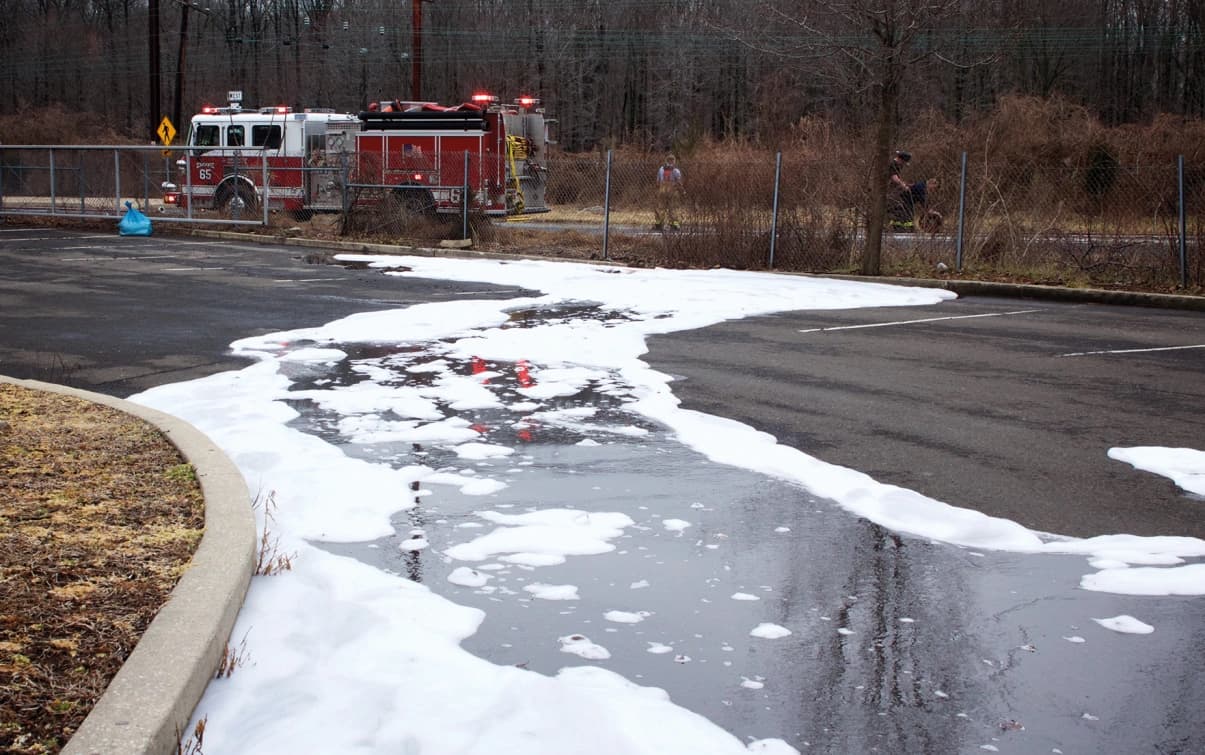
x,y
526,101
482,98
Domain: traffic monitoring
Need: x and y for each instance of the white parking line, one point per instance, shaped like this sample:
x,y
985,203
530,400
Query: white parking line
x,y
1132,351
913,322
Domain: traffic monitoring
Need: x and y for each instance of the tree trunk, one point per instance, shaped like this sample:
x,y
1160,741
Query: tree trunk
x,y
880,177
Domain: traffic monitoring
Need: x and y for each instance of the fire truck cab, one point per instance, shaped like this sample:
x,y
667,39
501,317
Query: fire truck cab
x,y
229,151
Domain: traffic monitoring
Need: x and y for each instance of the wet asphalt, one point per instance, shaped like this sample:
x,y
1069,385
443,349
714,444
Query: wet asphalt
x,y
1006,406
992,413
121,315
984,412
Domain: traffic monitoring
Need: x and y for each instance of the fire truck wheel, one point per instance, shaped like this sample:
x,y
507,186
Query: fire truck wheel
x,y
238,204
414,203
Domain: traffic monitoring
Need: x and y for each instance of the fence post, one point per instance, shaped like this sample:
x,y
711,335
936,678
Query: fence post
x,y
1183,224
117,181
962,205
464,215
263,164
167,176
188,157
607,208
53,200
344,177
79,178
146,182
774,212
237,167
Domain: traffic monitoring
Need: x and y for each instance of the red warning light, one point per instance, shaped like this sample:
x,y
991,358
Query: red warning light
x,y
524,374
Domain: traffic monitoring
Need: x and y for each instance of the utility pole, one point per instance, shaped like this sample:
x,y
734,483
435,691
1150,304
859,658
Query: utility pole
x,y
153,40
178,105
181,56
416,49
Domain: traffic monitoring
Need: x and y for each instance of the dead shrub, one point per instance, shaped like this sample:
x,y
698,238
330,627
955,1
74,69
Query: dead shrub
x,y
269,559
384,216
54,124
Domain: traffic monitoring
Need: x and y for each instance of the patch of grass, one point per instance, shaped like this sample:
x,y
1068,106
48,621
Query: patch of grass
x,y
182,473
93,536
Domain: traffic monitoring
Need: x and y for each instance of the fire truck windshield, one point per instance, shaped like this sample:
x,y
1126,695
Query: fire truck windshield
x,y
206,136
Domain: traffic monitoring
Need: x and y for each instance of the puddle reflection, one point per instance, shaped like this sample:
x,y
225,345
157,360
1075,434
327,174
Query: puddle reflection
x,y
891,643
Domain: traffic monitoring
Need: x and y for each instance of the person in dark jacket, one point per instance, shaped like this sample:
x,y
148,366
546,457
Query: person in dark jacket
x,y
899,196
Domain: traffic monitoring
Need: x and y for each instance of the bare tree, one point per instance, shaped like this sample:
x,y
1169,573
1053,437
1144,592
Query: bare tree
x,y
866,47
661,74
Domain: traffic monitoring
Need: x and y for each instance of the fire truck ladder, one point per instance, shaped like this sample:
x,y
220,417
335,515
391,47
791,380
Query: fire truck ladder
x,y
516,149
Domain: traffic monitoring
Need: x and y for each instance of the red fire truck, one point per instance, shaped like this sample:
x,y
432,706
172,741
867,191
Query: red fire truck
x,y
419,155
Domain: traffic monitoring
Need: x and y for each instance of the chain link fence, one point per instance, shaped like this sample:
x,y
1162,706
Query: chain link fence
x,y
1098,224
1102,225
80,182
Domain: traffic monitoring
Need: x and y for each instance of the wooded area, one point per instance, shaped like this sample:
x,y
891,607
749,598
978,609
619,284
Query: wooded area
x,y
655,73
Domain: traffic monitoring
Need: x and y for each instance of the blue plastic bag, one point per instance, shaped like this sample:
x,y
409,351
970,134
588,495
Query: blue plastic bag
x,y
134,223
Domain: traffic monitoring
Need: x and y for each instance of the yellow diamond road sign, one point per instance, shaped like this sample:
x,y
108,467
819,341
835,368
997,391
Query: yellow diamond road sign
x,y
166,131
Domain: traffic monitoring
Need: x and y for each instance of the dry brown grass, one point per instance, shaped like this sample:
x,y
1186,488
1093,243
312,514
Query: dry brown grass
x,y
55,124
99,516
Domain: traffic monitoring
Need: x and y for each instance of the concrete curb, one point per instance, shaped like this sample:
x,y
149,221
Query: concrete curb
x,y
148,704
960,287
